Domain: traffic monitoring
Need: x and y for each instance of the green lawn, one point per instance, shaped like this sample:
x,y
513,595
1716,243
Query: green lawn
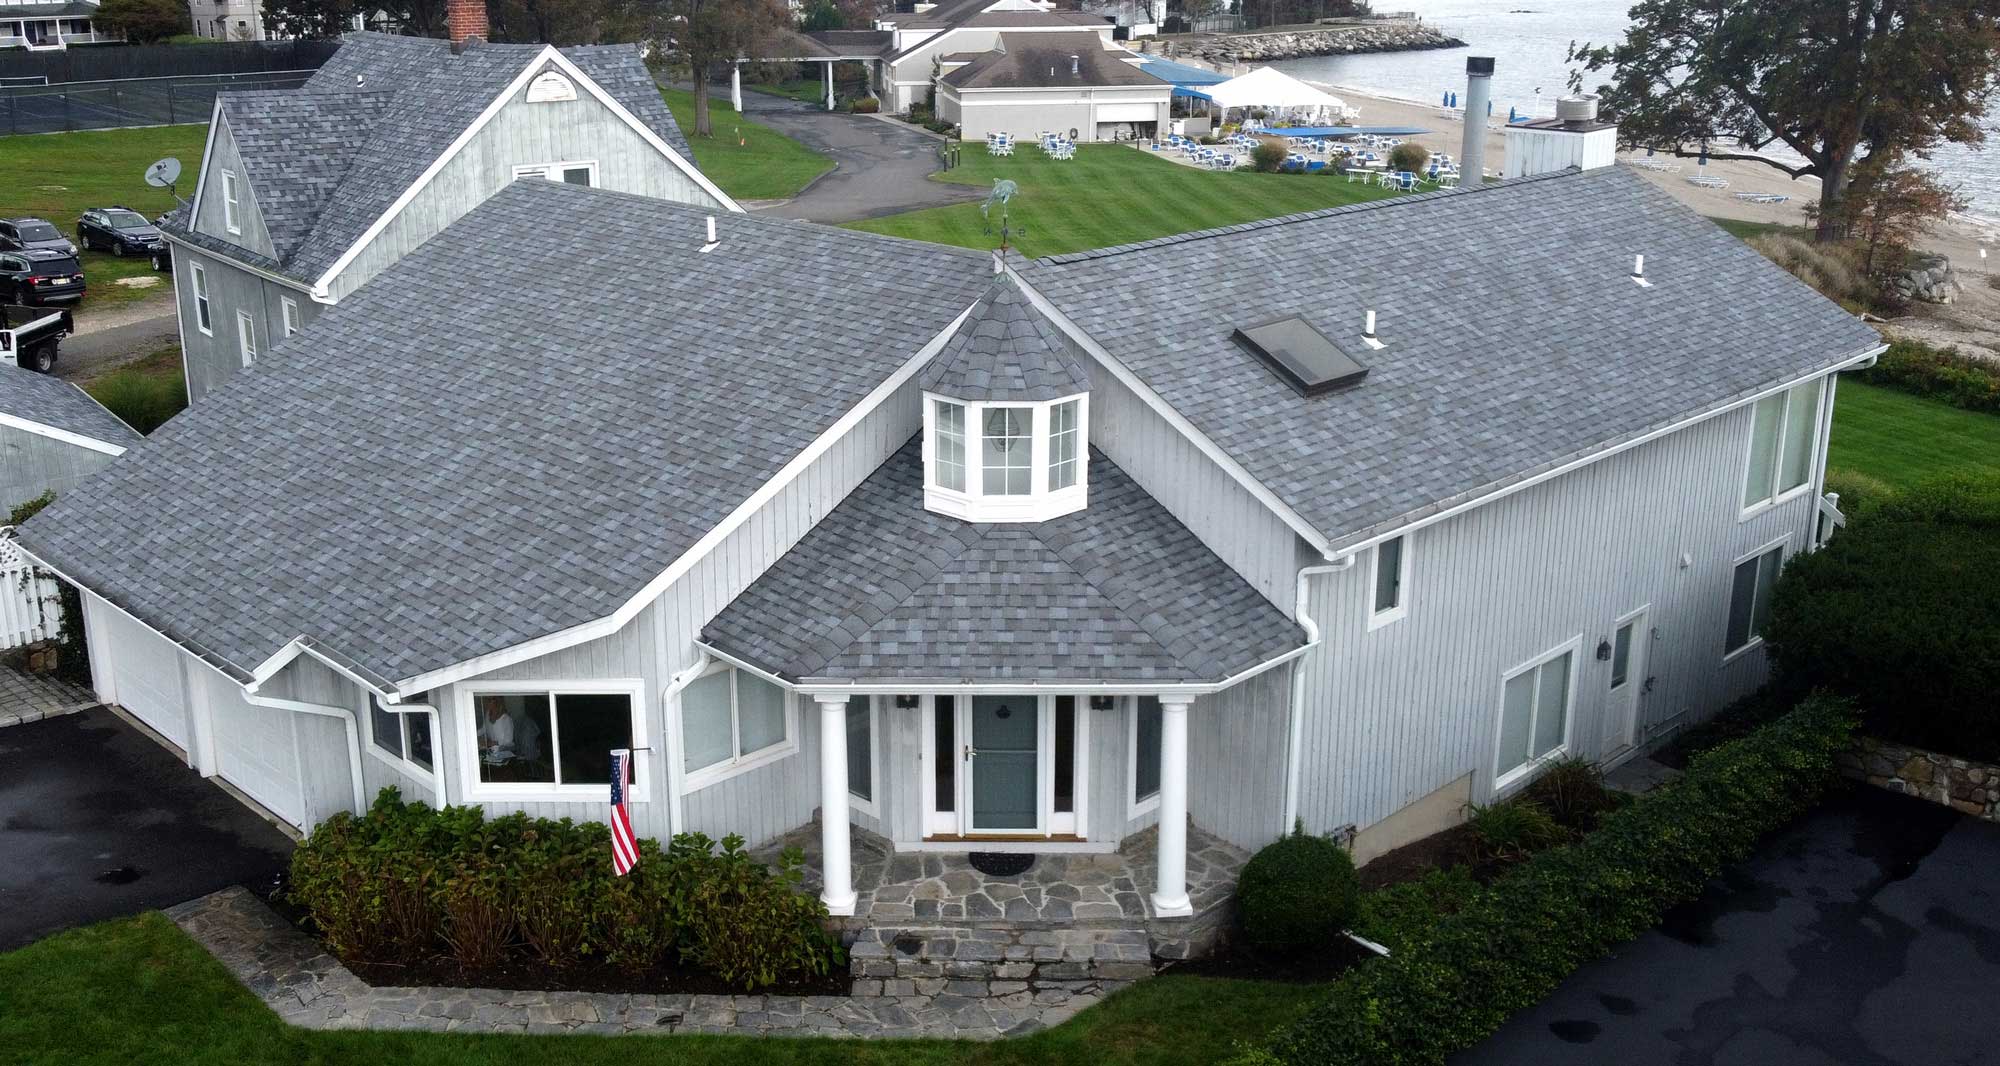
x,y
1112,194
1902,439
1747,230
136,992
804,90
57,176
747,160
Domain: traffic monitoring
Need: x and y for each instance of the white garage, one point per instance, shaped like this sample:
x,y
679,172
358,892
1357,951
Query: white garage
x,y
255,747
1028,86
137,669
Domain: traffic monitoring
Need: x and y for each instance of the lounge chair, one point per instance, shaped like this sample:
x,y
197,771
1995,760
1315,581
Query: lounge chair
x,y
1706,182
1761,197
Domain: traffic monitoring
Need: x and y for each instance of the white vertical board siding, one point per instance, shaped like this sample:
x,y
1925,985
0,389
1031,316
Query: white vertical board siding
x,y
32,464
1230,521
901,784
524,134
660,642
256,748
326,786
1236,759
139,670
213,360
1397,712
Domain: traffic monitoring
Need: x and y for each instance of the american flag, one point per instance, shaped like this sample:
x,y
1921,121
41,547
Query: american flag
x,y
624,846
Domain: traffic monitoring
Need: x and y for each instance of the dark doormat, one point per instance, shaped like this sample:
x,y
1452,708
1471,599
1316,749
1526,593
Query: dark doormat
x,y
999,864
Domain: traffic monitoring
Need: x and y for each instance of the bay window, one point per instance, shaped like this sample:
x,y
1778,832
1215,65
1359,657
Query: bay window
x,y
730,721
1006,461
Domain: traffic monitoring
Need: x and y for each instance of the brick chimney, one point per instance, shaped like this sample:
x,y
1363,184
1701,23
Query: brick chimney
x,y
467,21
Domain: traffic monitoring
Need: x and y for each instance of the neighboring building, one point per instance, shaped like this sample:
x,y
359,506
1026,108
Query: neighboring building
x,y
305,194
905,51
228,20
966,559
1030,83
47,25
52,436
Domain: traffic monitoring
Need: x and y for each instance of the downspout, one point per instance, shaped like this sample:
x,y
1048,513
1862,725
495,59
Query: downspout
x,y
438,798
347,719
668,720
1295,728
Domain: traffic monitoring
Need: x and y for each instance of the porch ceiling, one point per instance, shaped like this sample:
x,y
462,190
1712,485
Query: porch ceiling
x,y
885,590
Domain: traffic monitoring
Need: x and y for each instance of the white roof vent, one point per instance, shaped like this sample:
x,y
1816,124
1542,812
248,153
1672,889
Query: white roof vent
x,y
1575,109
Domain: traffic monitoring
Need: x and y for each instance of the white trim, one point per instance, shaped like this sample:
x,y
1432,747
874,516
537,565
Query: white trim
x,y
1780,497
551,171
216,121
693,781
1040,503
473,790
1639,654
1134,806
288,311
204,307
529,71
1378,619
232,204
1009,847
934,822
402,764
1511,778
270,276
1756,640
714,538
63,435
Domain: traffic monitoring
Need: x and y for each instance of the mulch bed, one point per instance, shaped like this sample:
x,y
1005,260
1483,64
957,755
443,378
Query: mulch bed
x,y
529,975
1439,851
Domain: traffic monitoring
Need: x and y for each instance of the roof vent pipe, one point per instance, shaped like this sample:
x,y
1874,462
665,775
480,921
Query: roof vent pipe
x,y
1368,330
1478,91
1639,272
713,240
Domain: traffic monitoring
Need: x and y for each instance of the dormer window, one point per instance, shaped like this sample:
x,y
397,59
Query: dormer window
x,y
1025,464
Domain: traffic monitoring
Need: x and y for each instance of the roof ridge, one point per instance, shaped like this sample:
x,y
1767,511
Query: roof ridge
x,y
1302,216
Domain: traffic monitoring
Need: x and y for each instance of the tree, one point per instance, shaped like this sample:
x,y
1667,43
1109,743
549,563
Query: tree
x,y
309,19
143,21
1842,83
822,15
696,35
1887,208
560,22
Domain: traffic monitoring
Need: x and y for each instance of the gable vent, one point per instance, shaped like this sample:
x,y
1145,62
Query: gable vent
x,y
1302,356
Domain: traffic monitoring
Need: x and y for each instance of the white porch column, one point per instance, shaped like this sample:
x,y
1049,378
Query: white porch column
x,y
829,85
1170,898
736,86
836,860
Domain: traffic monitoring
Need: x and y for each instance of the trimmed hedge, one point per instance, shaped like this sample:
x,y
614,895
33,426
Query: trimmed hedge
x,y
1940,374
1901,610
1446,986
1296,894
405,883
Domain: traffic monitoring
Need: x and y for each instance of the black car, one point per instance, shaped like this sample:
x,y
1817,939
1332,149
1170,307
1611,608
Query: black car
x,y
39,276
22,234
118,230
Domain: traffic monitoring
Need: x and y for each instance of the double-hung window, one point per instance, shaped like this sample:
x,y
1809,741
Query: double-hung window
x,y
1064,435
1004,445
402,738
1388,589
246,337
732,720
533,739
948,460
230,205
1784,433
199,284
1535,706
1750,597
291,309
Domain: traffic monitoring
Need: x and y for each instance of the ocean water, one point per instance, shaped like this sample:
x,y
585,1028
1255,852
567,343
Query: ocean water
x,y
1529,40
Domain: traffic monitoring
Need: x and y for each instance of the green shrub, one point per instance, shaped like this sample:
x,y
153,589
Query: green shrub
x,y
1901,610
1857,491
866,105
1403,914
1447,987
1572,791
143,400
404,882
1940,374
1409,156
1512,829
1269,155
1296,895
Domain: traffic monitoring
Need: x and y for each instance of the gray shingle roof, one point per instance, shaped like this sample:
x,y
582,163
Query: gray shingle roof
x,y
1039,61
437,468
1516,338
1005,350
883,589
58,404
325,160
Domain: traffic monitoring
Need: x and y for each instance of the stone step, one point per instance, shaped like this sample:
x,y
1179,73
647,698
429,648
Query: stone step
x,y
1035,956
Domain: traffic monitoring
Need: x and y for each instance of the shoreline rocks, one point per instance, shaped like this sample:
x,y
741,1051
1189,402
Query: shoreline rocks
x,y
1350,40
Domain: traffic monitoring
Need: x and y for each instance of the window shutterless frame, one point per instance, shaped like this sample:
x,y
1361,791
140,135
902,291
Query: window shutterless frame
x,y
401,763
559,171
230,204
291,315
246,338
1396,552
1041,502
869,805
1506,779
1781,545
198,284
465,734
693,781
1784,433
1135,805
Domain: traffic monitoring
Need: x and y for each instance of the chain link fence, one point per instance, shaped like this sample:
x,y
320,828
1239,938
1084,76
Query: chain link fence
x,y
101,105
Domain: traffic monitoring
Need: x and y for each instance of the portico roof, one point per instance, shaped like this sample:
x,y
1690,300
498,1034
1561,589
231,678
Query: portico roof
x,y
885,590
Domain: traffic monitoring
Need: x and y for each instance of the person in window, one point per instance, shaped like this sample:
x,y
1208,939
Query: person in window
x,y
496,734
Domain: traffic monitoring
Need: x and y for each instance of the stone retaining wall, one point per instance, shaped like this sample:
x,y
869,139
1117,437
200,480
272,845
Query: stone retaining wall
x,y
1263,47
1963,785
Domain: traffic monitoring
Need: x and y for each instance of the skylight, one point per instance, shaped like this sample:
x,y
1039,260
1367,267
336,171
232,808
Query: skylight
x,y
1302,355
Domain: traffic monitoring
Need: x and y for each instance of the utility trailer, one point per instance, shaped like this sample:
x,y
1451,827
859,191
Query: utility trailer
x,y
31,336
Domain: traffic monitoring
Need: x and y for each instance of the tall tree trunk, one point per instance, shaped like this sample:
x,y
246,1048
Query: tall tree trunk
x,y
702,127
1832,224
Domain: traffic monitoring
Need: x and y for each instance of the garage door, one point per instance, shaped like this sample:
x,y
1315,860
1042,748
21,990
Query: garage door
x,y
145,672
1128,112
255,749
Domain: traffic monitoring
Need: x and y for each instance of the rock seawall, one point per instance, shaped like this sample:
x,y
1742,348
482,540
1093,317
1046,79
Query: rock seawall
x,y
1350,40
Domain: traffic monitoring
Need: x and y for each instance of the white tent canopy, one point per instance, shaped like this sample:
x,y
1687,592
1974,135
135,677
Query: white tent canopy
x,y
1270,88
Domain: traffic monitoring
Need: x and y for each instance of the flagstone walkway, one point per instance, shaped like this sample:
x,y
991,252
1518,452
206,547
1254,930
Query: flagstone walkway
x,y
309,988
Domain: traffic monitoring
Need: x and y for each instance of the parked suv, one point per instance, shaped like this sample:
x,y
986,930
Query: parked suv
x,y
118,230
38,275
20,234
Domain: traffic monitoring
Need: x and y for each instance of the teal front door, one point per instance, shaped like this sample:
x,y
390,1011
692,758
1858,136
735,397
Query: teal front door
x,y
1006,764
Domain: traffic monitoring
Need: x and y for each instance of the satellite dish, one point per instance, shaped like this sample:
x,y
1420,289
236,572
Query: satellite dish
x,y
163,174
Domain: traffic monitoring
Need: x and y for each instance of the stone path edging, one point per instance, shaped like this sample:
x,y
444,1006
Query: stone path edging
x,y
27,698
310,989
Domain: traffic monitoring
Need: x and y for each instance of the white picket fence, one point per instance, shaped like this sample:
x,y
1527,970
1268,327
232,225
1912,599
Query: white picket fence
x,y
29,609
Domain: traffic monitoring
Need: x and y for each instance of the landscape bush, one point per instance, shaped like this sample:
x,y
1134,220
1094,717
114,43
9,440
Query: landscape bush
x,y
1401,914
866,105
1448,983
143,400
1857,491
404,883
1572,791
1512,829
1409,156
1296,895
1833,270
1901,610
1940,374
1269,155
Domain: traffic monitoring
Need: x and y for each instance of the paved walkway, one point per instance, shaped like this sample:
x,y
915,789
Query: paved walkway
x,y
27,698
880,167
311,989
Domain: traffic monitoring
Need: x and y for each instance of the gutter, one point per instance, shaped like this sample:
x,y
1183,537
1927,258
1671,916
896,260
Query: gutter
x,y
1295,725
672,721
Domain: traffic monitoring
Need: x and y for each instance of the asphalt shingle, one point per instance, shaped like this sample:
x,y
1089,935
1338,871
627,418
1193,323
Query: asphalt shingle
x,y
1005,350
884,589
58,404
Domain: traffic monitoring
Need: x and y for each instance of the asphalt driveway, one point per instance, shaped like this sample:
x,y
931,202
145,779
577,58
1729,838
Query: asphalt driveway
x,y
98,821
1868,934
880,167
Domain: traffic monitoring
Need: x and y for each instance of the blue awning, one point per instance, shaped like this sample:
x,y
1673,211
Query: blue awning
x,y
1180,73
